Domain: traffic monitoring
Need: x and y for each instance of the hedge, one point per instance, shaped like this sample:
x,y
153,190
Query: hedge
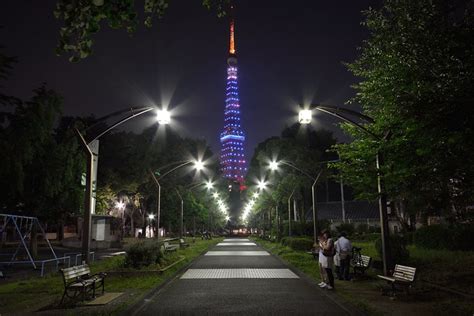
x,y
297,243
142,253
451,237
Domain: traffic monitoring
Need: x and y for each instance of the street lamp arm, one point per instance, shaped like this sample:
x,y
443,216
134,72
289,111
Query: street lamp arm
x,y
339,113
106,117
296,168
175,168
120,122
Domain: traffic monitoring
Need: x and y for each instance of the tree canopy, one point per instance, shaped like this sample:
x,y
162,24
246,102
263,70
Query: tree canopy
x,y
417,71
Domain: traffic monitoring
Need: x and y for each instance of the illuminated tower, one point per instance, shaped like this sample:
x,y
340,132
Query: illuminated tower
x,y
233,137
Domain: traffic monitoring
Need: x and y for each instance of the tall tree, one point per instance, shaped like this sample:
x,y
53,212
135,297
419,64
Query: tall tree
x,y
417,71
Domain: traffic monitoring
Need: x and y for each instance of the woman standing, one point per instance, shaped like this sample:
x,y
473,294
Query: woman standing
x,y
327,253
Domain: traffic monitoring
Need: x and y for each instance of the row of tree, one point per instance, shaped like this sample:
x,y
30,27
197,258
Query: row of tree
x,y
41,166
416,73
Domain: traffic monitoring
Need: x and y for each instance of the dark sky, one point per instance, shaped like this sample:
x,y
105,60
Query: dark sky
x,y
288,52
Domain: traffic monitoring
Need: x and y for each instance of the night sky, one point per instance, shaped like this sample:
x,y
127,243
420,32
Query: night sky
x,y
288,52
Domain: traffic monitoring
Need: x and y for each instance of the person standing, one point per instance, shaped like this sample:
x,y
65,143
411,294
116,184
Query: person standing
x,y
327,253
322,263
344,250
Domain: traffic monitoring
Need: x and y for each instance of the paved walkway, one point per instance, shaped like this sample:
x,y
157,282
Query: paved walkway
x,y
237,276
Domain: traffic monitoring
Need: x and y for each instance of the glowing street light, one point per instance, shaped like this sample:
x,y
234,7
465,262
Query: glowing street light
x,y
262,184
151,216
163,116
215,195
120,205
198,165
273,165
305,116
255,195
209,185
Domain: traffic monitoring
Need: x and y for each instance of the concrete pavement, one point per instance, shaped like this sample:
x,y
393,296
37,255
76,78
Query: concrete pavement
x,y
238,276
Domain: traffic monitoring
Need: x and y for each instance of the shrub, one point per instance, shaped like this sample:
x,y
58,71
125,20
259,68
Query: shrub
x,y
300,243
454,237
398,246
367,237
142,253
362,229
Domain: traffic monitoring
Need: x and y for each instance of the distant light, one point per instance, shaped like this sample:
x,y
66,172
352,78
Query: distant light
x,y
273,165
209,185
305,116
215,195
261,184
198,165
227,218
120,205
151,216
163,117
255,195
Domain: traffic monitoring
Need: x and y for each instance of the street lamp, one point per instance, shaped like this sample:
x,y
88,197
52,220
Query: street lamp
x,y
261,185
342,114
273,165
163,117
198,165
91,149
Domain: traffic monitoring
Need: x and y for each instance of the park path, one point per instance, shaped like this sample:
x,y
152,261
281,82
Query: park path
x,y
238,276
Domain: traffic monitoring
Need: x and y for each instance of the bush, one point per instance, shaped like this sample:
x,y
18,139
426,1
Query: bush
x,y
362,229
297,243
398,246
142,253
454,237
349,228
367,237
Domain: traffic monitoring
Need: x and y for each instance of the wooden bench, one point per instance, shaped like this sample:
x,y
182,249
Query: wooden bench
x,y
360,264
78,282
183,244
403,276
170,247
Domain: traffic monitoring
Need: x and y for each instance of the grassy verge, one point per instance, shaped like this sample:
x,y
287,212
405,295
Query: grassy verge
x,y
365,293
45,293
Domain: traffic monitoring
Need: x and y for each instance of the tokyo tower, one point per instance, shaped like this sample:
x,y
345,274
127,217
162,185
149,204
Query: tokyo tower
x,y
232,137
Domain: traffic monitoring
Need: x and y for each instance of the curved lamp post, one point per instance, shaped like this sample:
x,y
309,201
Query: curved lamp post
x,y
198,165
305,117
274,166
91,149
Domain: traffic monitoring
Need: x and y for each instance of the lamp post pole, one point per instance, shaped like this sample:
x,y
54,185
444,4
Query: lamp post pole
x,y
289,213
91,150
342,114
155,179
157,182
181,215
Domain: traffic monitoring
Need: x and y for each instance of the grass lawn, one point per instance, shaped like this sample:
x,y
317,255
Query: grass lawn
x,y
439,266
45,293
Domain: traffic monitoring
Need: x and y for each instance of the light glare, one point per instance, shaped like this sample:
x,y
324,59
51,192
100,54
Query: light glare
x,y
305,116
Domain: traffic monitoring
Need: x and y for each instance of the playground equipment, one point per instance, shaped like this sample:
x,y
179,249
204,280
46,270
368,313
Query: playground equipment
x,y
22,226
